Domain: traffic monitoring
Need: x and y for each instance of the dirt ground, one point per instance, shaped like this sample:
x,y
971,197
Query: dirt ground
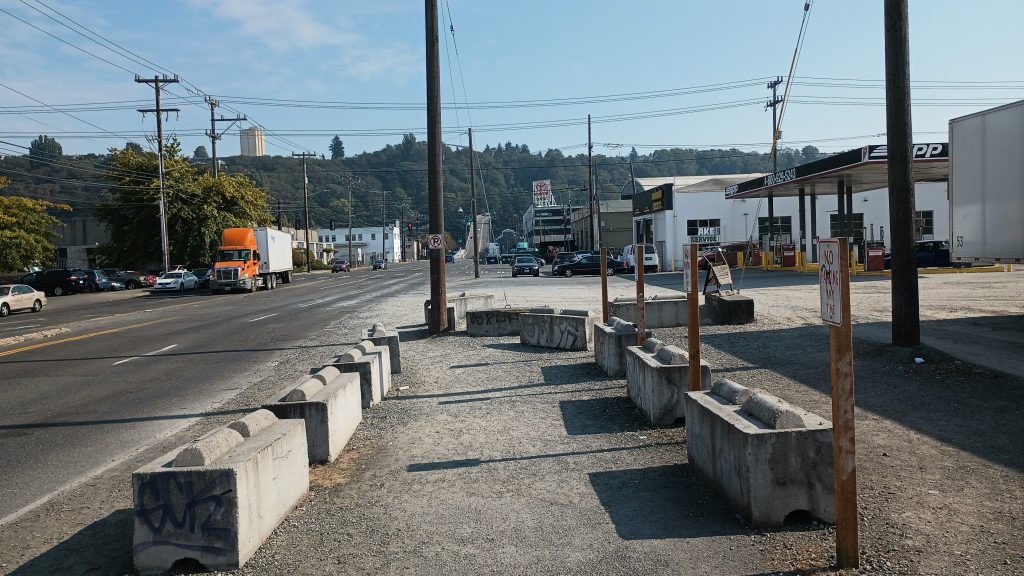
x,y
501,458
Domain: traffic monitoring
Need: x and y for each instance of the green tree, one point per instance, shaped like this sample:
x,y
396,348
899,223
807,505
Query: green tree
x,y
199,207
44,151
200,153
135,147
337,148
27,230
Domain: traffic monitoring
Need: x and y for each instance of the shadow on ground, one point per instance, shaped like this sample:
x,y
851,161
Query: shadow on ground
x,y
611,415
663,502
103,547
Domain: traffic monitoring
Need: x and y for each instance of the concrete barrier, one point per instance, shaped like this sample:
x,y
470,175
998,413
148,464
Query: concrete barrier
x,y
382,336
331,415
219,512
494,322
767,457
459,305
610,342
564,330
368,367
453,322
659,311
657,378
728,309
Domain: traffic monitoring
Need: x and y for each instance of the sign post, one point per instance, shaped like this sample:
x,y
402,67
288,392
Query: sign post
x,y
690,275
640,302
834,285
604,285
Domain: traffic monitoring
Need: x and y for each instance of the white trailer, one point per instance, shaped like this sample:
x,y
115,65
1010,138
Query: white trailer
x,y
986,185
275,248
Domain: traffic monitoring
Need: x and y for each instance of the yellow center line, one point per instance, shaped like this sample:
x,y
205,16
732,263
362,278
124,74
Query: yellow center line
x,y
79,337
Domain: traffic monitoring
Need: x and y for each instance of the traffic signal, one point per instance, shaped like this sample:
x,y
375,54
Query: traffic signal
x,y
409,226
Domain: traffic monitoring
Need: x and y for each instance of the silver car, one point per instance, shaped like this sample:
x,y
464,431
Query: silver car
x,y
180,281
14,297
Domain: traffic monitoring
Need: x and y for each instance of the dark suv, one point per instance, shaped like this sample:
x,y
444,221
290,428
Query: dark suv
x,y
57,282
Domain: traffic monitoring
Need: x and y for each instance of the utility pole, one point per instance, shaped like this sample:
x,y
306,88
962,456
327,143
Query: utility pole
x,y
595,226
472,192
156,82
906,313
435,182
773,103
212,133
350,263
305,205
383,225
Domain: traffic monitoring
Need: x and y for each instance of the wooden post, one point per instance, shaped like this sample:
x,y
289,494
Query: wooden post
x,y
844,447
639,267
693,320
604,284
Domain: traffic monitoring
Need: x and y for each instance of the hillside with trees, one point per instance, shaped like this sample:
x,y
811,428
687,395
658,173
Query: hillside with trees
x,y
507,171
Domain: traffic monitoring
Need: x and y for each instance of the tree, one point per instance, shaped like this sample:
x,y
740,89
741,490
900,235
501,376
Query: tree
x,y
337,148
27,230
44,151
198,208
200,153
135,147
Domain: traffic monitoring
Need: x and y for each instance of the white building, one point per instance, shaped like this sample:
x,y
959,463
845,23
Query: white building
x,y
251,140
368,243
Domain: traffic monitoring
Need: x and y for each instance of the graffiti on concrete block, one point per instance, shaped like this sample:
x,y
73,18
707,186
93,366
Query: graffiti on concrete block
x,y
186,511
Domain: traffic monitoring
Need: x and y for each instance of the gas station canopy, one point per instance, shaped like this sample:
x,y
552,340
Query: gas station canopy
x,y
861,169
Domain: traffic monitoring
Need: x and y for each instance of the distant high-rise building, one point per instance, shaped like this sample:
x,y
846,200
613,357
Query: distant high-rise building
x,y
252,142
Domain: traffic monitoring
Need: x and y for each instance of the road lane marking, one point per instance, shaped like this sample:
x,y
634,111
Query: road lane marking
x,y
76,338
263,317
164,349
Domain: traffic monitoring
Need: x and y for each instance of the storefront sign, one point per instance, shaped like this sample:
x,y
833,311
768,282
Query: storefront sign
x,y
656,199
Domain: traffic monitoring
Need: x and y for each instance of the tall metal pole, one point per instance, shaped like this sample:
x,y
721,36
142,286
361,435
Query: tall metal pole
x,y
435,183
906,314
305,207
156,81
594,219
472,191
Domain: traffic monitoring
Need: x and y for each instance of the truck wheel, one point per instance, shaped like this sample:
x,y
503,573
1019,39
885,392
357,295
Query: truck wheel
x,y
287,278
273,281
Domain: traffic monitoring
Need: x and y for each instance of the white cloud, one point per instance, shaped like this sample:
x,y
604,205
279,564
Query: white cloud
x,y
280,25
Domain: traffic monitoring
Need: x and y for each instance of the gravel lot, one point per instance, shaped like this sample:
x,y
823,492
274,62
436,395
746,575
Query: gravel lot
x,y
499,458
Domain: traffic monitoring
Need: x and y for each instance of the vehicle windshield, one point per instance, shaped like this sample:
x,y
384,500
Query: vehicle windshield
x,y
172,275
233,255
200,271
5,290
525,260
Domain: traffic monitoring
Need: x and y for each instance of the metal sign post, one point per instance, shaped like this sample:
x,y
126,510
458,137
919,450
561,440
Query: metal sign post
x,y
604,285
690,275
639,267
834,284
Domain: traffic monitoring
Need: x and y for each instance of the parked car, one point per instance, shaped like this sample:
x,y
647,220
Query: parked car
x,y
506,258
564,258
203,276
589,264
341,266
650,257
179,281
449,258
491,259
929,253
14,297
97,281
130,278
525,265
55,282
380,265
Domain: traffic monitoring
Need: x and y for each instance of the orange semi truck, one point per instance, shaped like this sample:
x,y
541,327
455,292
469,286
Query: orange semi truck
x,y
251,258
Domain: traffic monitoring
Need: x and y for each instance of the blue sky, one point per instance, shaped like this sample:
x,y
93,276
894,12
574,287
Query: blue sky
x,y
519,56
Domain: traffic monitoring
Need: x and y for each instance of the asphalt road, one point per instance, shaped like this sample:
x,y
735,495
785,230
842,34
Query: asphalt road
x,y
129,368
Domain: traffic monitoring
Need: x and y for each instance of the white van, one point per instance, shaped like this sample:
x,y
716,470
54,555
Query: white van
x,y
629,254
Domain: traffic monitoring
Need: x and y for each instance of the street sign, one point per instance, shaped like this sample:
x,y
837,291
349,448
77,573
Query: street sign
x,y
435,241
686,267
829,281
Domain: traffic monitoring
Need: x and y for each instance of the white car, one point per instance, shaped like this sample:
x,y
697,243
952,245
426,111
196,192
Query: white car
x,y
179,281
14,297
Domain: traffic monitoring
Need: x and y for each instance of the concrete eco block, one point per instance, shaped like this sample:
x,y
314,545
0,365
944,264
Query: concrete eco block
x,y
610,342
220,513
659,311
494,322
368,368
452,317
562,331
728,309
383,357
657,378
765,472
382,336
331,415
466,302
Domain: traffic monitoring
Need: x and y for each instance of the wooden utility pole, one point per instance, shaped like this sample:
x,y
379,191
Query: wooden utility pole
x,y
693,316
595,224
214,135
305,206
906,313
640,301
350,262
604,284
773,104
435,179
156,82
383,225
472,191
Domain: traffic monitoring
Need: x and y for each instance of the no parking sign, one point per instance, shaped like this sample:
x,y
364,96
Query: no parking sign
x,y
434,241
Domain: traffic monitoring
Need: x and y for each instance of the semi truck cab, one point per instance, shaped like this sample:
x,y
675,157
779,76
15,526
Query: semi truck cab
x,y
251,258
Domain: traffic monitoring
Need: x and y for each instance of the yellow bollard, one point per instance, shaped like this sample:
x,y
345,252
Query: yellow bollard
x,y
739,260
